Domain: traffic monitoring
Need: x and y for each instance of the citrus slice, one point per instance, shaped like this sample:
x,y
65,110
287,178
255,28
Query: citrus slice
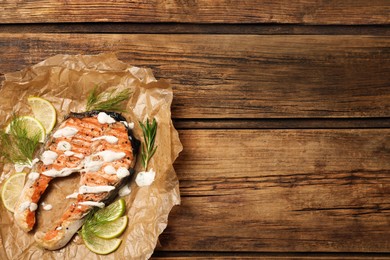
x,y
32,126
110,213
44,111
110,229
99,245
12,189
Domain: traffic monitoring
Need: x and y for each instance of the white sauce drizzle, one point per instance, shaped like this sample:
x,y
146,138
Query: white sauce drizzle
x,y
59,228
48,157
61,173
109,169
34,162
95,189
20,167
145,178
130,125
79,155
108,138
110,156
33,206
46,206
64,146
69,153
24,205
122,172
124,191
103,118
92,166
33,176
89,164
65,132
72,196
92,203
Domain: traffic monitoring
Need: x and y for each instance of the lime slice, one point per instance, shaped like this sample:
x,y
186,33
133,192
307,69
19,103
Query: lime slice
x,y
99,245
44,111
112,212
32,125
110,229
12,189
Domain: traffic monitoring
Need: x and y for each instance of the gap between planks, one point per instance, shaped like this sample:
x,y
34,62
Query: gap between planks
x,y
264,255
283,123
193,28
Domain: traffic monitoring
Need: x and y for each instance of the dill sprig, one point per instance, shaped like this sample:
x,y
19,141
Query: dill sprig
x,y
109,100
90,218
18,145
149,131
90,222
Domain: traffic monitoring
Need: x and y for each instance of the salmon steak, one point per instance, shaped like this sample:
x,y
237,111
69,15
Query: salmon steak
x,y
100,147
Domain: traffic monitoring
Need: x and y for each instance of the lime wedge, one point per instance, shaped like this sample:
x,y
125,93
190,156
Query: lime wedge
x,y
30,124
44,111
112,212
110,229
12,189
99,245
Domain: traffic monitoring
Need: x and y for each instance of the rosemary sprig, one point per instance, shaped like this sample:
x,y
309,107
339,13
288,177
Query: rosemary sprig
x,y
108,100
18,146
149,131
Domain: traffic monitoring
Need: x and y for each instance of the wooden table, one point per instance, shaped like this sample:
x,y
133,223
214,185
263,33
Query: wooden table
x,y
283,108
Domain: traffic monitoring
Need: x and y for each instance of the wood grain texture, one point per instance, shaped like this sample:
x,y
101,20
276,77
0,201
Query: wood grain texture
x,y
240,76
254,80
198,11
282,191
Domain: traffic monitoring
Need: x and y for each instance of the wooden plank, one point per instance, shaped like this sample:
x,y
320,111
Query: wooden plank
x,y
282,191
240,76
200,11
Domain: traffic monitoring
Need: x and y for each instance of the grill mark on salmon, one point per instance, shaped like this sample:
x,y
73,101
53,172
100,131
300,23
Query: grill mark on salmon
x,y
81,143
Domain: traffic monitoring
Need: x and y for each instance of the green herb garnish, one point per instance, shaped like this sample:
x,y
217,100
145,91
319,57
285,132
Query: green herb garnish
x,y
149,131
108,100
102,227
18,145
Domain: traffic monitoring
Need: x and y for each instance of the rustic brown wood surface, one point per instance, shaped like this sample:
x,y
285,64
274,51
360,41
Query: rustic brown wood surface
x,y
199,11
283,109
282,190
252,76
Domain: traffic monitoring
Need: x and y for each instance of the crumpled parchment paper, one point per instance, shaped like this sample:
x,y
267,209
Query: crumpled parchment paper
x,y
66,80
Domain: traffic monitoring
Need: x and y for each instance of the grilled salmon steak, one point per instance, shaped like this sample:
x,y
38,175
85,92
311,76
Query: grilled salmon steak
x,y
100,146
